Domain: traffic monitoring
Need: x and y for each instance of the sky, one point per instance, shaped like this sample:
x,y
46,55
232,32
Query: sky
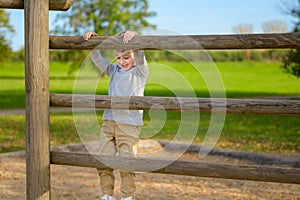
x,y
194,17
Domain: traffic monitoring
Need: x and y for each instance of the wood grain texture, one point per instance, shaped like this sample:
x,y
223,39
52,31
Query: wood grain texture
x,y
242,106
37,99
180,167
176,42
62,5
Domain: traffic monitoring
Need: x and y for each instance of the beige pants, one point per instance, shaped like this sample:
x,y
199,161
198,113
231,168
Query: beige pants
x,y
122,139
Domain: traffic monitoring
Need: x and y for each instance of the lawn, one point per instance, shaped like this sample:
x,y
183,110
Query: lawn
x,y
238,79
257,133
253,133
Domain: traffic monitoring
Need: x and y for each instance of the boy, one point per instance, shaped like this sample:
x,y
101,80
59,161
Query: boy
x,y
121,128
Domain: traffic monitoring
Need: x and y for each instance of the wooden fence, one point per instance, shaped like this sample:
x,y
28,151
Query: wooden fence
x,y
181,167
186,42
38,42
61,5
241,106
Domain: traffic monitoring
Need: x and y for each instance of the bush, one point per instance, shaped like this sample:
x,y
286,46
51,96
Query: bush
x,y
291,63
6,52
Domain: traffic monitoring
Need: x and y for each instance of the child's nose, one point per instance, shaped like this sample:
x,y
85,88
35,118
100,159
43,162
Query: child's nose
x,y
121,60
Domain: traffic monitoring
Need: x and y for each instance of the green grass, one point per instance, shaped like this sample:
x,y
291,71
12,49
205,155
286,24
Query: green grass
x,y
254,133
13,133
241,79
257,133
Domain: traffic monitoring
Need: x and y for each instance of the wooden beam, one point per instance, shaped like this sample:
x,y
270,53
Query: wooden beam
x,y
62,5
242,106
188,42
37,99
180,167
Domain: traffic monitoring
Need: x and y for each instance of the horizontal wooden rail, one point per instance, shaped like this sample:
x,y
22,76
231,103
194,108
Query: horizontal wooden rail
x,y
62,5
247,106
180,167
188,42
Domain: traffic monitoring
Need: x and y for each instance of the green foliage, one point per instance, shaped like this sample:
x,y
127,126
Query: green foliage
x,y
19,56
294,10
247,55
291,63
221,56
106,17
5,27
217,56
5,31
6,52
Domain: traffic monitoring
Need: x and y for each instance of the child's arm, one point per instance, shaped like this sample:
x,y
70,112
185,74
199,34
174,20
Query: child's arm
x,y
100,62
141,62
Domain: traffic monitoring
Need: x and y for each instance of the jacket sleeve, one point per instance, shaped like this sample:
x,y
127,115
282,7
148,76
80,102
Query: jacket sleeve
x,y
100,62
141,62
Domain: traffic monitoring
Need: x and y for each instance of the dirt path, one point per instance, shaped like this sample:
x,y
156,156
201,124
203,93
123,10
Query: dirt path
x,y
82,183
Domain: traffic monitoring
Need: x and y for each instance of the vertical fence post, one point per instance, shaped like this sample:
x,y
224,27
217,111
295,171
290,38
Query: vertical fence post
x,y
37,99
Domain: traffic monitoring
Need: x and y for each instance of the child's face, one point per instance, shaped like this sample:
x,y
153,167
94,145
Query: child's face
x,y
125,59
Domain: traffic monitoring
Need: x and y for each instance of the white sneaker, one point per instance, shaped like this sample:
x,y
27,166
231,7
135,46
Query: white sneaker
x,y
128,198
107,197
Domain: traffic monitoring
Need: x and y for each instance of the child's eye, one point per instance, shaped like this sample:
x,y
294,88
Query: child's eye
x,y
126,58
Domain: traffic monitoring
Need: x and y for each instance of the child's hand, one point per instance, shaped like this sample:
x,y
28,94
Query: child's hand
x,y
88,35
127,36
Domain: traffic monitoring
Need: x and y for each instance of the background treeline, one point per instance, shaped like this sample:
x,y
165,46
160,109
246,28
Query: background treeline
x,y
218,56
153,55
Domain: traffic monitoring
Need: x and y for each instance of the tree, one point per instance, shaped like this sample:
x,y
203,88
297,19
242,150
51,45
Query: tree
x,y
5,30
291,63
294,11
274,26
243,28
106,17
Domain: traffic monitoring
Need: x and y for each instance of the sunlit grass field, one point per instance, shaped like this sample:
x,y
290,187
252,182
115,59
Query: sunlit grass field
x,y
236,79
254,133
257,133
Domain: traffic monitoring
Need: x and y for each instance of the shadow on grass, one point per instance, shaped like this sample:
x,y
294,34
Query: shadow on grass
x,y
12,99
